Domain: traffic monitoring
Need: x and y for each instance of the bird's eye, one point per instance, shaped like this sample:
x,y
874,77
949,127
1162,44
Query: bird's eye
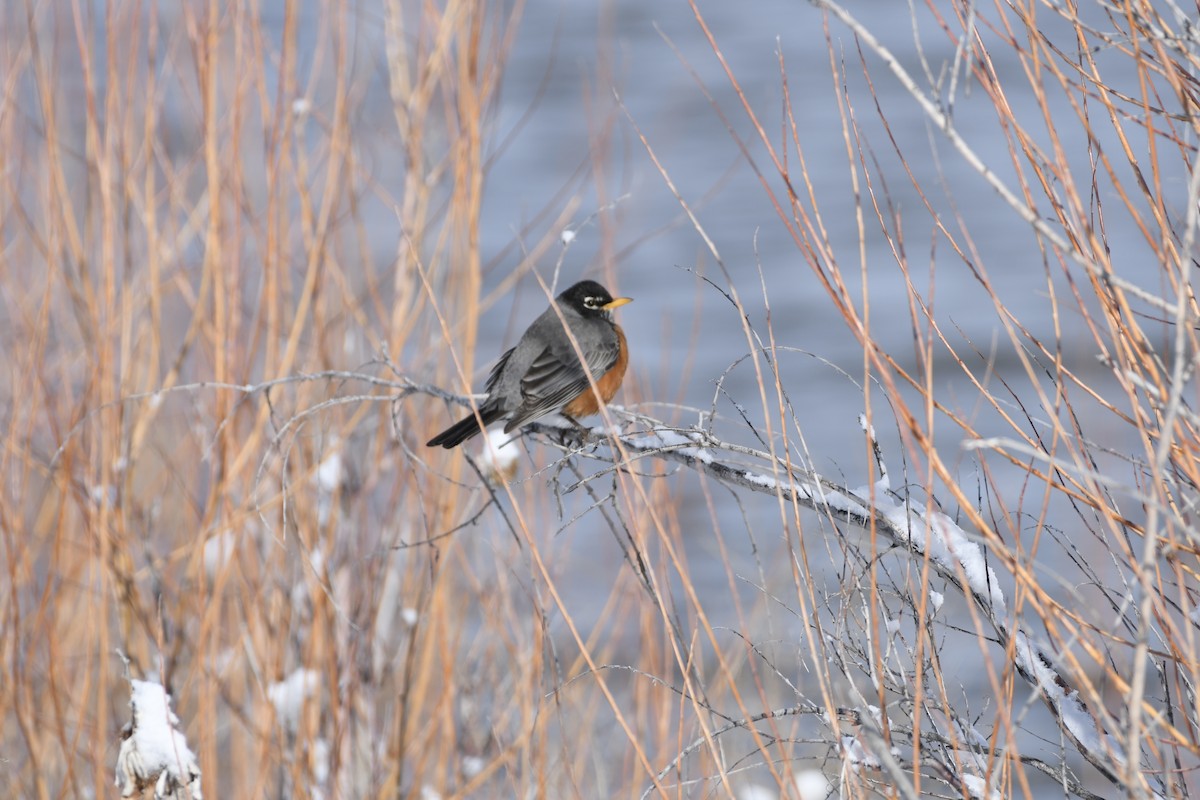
x,y
591,302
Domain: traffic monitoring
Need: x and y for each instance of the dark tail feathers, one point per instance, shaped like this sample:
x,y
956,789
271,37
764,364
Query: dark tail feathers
x,y
464,429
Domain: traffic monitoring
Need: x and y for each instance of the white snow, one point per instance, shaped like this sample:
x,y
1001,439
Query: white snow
x,y
104,495
756,791
330,473
936,599
499,454
604,431
840,502
288,695
978,788
947,545
761,480
805,491
567,236
866,426
155,746
664,439
472,766
811,784
669,438
217,552
1071,710
857,755
320,762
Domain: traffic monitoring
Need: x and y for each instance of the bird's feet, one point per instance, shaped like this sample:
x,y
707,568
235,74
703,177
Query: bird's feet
x,y
576,436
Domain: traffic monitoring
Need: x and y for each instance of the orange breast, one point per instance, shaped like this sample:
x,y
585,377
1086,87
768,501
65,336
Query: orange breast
x,y
606,385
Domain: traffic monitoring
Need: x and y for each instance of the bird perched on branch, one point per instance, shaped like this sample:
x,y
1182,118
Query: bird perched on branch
x,y
543,374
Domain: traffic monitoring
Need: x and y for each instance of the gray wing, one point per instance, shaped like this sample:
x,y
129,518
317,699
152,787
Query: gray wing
x,y
494,375
553,380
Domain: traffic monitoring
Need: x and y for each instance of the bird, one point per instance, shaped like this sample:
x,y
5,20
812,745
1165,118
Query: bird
x,y
543,373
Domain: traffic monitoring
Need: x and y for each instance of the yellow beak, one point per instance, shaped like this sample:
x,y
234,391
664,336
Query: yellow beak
x,y
616,302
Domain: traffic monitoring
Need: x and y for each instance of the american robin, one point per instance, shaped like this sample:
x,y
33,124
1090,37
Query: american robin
x,y
543,373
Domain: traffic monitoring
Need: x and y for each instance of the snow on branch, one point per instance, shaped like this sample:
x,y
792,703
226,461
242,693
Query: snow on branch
x,y
154,752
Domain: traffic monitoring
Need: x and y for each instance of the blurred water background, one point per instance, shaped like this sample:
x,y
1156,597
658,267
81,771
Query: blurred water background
x,y
579,78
